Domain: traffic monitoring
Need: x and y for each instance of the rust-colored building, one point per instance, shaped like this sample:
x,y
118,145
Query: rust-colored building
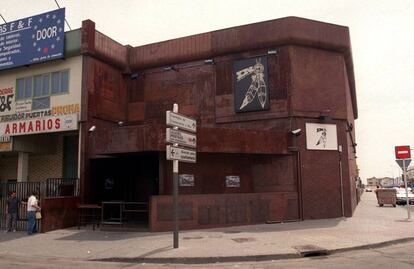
x,y
309,85
275,105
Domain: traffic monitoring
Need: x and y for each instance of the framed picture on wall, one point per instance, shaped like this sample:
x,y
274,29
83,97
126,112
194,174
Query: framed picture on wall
x,y
321,136
232,181
251,90
186,180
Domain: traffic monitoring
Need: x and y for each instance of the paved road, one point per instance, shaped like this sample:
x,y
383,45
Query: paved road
x,y
399,256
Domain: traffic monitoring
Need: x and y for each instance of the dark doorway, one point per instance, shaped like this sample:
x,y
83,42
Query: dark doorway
x,y
70,156
124,183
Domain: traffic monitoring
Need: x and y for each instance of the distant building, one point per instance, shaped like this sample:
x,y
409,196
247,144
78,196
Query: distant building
x,y
410,175
373,182
387,182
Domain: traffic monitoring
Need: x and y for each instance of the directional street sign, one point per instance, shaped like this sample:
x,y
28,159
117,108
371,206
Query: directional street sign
x,y
181,121
180,154
401,163
176,154
181,138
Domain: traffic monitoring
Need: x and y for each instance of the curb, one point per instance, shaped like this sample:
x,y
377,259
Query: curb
x,y
252,258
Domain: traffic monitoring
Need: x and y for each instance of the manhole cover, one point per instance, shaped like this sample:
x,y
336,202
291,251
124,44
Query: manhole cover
x,y
243,240
311,251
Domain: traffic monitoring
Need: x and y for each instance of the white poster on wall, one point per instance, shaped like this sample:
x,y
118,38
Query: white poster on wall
x,y
186,180
232,181
321,136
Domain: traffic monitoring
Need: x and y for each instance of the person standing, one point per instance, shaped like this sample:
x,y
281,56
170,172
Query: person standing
x,y
12,207
32,207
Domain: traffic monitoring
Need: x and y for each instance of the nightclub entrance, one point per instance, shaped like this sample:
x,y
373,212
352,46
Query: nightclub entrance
x,y
124,185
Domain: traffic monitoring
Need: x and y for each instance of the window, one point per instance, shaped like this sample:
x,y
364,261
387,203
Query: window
x,y
45,84
55,82
28,87
39,88
64,81
20,89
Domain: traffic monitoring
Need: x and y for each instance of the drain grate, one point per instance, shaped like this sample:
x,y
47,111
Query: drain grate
x,y
192,237
243,240
311,251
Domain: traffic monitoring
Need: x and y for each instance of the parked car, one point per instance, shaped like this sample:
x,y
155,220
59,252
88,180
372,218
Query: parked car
x,y
368,190
402,197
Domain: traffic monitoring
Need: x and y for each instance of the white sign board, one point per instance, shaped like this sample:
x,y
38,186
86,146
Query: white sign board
x,y
182,155
186,180
321,136
40,125
181,138
5,139
181,121
232,181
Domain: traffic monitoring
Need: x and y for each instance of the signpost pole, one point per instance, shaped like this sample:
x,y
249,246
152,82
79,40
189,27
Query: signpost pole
x,y
178,154
403,158
406,190
175,191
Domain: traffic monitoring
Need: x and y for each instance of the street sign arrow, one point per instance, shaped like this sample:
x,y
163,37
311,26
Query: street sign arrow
x,y
180,154
181,121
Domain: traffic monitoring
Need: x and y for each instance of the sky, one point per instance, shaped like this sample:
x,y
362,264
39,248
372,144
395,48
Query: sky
x,y
381,36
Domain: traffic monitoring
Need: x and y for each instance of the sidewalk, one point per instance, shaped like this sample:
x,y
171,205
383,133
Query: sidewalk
x,y
371,226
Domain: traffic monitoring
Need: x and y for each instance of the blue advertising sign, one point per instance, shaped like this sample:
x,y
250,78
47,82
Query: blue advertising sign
x,y
32,40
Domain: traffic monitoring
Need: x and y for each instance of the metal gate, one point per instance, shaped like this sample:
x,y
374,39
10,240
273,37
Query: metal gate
x,y
51,187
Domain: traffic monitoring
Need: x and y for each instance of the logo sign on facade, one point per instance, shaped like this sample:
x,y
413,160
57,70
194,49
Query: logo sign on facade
x,y
321,136
232,181
6,143
251,92
402,152
186,180
40,125
181,121
5,139
180,154
6,99
6,146
31,40
181,138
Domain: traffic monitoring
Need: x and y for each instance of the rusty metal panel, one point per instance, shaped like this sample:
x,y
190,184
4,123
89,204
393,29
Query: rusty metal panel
x,y
165,211
248,141
209,214
111,50
171,51
221,210
107,94
289,30
235,211
223,78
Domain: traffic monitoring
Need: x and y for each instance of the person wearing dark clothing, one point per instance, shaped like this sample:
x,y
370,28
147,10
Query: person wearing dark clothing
x,y
12,207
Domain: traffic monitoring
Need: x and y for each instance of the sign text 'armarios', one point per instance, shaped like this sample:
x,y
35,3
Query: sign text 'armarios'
x,y
40,125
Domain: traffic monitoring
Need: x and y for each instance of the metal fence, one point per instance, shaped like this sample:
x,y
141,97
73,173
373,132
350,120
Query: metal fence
x,y
51,187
